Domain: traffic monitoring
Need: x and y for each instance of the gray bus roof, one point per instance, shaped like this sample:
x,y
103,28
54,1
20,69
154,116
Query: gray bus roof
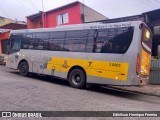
x,y
80,27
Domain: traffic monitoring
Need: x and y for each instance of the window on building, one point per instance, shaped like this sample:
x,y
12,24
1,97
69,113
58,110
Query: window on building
x,y
62,19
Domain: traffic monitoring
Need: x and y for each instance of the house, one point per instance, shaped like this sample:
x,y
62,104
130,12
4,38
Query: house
x,y
14,25
4,21
73,13
6,25
4,35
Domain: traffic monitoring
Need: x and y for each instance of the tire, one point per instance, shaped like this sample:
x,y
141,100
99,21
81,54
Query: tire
x,y
77,78
24,68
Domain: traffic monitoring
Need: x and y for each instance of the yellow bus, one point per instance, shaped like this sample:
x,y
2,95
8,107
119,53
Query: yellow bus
x,y
112,54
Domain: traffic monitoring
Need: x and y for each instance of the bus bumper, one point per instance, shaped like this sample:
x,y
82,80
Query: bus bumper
x,y
137,80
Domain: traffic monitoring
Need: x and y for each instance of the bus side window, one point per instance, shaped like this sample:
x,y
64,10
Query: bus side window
x,y
103,41
114,40
76,40
42,40
107,47
24,43
123,40
56,41
27,41
91,45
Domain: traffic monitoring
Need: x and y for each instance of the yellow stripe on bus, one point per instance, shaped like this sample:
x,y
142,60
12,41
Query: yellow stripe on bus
x,y
104,69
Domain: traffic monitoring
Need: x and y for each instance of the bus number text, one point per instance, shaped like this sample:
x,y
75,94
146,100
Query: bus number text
x,y
115,64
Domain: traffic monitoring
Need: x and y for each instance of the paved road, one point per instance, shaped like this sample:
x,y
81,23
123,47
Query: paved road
x,y
44,94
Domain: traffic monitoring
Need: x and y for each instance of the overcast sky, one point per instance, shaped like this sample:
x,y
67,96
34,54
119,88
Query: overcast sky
x,y
19,9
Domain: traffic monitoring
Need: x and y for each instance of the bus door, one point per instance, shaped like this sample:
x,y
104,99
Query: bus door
x,y
13,50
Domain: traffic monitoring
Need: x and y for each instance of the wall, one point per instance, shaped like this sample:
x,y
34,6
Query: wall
x,y
37,23
90,14
73,15
2,37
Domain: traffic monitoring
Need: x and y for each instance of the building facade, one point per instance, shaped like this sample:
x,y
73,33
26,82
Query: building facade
x,y
73,13
4,35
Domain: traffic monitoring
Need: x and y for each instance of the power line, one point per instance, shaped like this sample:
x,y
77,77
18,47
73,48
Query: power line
x,y
5,12
32,3
147,3
24,4
157,1
28,4
152,3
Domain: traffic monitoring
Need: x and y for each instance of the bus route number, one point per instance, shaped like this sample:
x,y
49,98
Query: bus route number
x,y
115,64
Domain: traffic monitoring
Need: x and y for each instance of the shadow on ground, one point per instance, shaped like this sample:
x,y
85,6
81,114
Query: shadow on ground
x,y
99,89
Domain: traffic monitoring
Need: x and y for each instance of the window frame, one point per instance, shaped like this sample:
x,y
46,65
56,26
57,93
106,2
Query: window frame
x,y
60,18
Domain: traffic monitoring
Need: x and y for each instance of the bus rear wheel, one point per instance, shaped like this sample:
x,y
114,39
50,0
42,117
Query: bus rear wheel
x,y
77,78
24,68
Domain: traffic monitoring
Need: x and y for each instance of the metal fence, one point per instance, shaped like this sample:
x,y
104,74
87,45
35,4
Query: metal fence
x,y
155,71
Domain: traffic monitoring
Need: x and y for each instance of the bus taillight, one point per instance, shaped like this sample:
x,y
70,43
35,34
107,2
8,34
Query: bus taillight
x,y
138,64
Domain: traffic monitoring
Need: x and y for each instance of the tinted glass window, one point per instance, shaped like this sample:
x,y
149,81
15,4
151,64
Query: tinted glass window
x,y
41,41
113,40
27,41
91,40
37,41
76,40
56,41
57,35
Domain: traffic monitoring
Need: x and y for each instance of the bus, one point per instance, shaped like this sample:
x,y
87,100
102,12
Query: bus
x,y
94,53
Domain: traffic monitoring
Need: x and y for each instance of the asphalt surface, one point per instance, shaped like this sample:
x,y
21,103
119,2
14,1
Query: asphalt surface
x,y
18,93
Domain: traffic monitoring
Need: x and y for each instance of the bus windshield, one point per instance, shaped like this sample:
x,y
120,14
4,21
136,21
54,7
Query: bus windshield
x,y
14,43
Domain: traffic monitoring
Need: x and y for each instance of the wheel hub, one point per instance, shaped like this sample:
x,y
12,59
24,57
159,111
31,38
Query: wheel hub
x,y
76,79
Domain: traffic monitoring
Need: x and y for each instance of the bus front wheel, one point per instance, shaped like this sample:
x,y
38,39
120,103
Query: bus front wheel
x,y
24,68
77,78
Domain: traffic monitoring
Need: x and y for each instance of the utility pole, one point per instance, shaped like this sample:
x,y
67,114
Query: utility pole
x,y
43,16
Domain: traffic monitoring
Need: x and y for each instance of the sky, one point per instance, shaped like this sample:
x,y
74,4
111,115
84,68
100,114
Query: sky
x,y
19,9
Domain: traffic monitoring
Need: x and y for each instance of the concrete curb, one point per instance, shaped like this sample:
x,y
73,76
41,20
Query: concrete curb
x,y
139,90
